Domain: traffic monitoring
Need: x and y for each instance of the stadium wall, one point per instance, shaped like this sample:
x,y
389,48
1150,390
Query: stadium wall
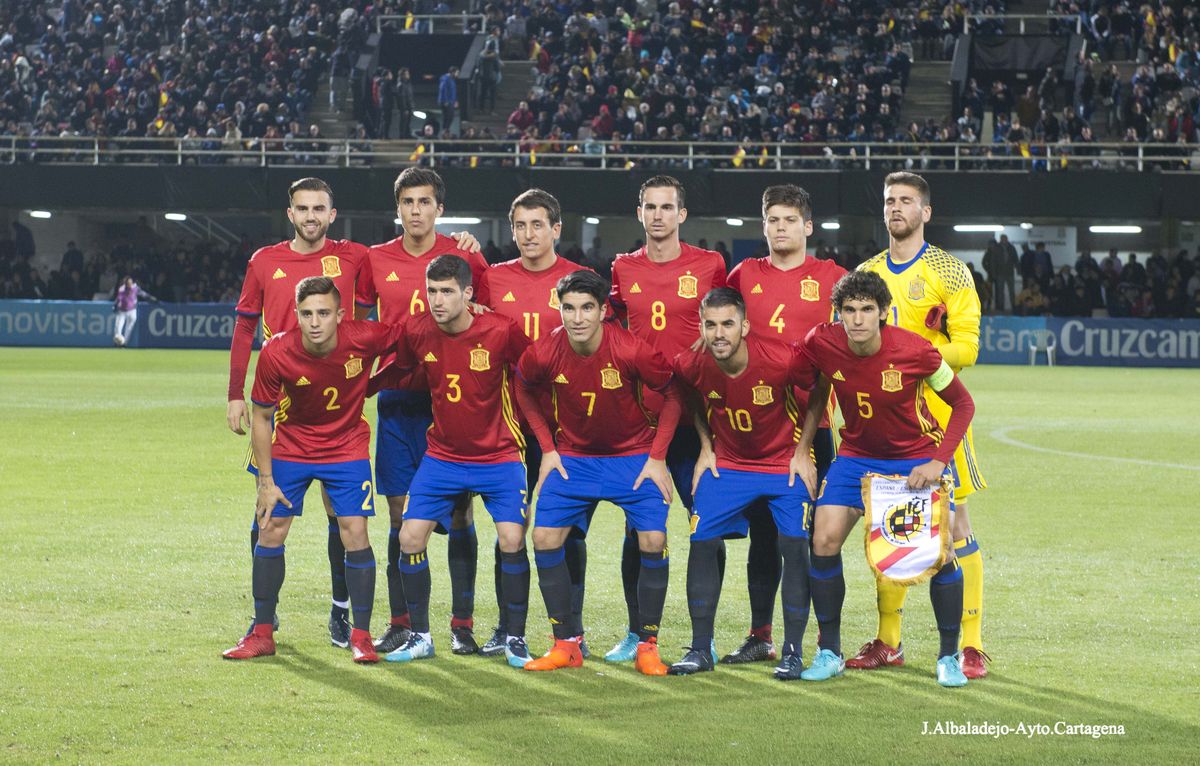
x,y
1003,340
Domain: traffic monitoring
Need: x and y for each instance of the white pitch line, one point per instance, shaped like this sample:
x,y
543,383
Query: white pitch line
x,y
1001,435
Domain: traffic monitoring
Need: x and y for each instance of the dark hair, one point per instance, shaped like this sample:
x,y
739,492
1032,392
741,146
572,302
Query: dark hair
x,y
904,178
724,296
533,199
663,182
449,267
311,183
584,281
862,286
417,176
317,286
788,195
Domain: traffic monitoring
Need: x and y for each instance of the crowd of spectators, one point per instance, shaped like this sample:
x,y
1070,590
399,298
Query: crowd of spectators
x,y
228,74
1160,287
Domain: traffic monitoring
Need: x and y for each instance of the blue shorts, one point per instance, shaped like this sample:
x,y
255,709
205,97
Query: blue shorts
x,y
348,484
722,504
570,502
681,461
438,484
843,483
404,419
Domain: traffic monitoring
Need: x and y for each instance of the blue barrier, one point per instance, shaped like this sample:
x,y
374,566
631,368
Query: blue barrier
x,y
90,324
1094,342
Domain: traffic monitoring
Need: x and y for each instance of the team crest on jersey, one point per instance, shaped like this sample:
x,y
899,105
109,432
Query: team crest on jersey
x,y
554,304
762,394
892,380
331,266
481,359
916,289
353,367
688,286
810,289
610,377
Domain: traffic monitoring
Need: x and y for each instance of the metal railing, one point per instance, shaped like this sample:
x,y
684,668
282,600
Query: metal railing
x,y
1020,18
428,23
601,155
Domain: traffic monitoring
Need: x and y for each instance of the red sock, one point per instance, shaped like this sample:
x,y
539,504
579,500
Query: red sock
x,y
403,621
467,622
762,632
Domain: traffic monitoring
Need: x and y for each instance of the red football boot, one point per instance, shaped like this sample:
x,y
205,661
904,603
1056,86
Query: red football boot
x,y
973,662
876,654
362,647
253,644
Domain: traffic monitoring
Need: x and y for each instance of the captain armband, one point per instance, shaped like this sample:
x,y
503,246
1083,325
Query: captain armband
x,y
943,377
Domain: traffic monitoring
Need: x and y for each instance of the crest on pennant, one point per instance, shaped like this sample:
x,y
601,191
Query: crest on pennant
x,y
610,377
688,286
331,266
554,304
892,380
354,367
810,289
481,359
762,395
916,289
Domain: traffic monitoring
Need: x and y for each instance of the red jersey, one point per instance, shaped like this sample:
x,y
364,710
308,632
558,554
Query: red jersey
x,y
596,400
320,399
787,304
395,279
661,301
269,290
468,375
754,417
882,395
526,297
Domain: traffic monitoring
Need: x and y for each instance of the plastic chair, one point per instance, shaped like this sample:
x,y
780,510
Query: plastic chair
x,y
1043,340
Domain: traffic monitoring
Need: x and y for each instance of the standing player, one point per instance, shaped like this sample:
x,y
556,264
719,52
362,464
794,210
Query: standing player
x,y
395,282
746,388
474,446
269,295
879,373
312,383
525,290
787,295
656,290
933,295
606,449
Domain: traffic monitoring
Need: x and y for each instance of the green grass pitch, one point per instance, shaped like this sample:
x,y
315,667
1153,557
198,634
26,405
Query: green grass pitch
x,y
124,570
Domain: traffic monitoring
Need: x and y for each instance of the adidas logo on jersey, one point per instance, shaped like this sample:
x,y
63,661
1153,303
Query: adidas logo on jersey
x,y
757,290
303,381
392,278
509,298
430,357
713,395
635,289
278,274
837,375
561,379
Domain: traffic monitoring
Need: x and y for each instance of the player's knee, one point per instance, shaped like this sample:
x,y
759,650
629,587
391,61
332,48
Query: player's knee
x,y
548,538
652,542
510,537
826,543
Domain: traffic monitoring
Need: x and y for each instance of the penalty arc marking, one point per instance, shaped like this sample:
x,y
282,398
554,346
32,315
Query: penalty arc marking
x,y
1001,435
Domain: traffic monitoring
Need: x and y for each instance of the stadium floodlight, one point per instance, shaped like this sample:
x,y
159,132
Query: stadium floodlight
x,y
831,226
39,213
460,221
1115,229
1026,226
593,220
733,221
175,217
978,227
419,114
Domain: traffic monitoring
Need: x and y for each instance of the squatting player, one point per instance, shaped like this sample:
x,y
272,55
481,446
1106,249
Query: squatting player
x,y
786,294
525,290
656,291
603,448
934,296
394,281
475,445
744,385
312,383
879,373
269,295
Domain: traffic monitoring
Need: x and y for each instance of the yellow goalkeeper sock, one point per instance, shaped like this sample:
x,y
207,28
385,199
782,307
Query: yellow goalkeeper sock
x,y
971,561
891,609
